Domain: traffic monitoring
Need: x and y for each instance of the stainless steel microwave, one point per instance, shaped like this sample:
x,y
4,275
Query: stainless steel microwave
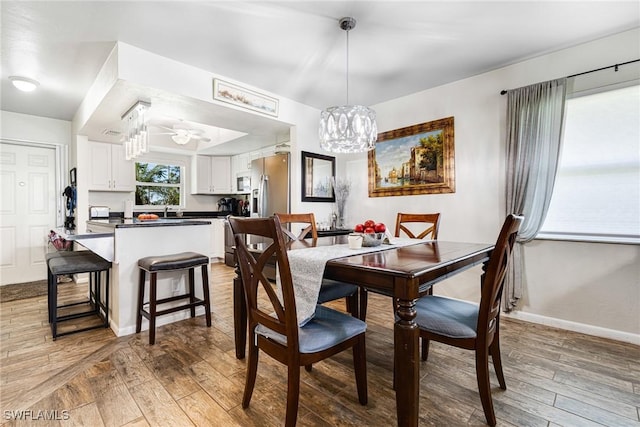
x,y
244,184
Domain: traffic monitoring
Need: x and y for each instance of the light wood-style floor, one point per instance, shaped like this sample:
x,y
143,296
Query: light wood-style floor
x,y
191,376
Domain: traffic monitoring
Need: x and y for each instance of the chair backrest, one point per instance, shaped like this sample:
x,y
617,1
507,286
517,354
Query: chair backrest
x,y
432,222
493,278
252,271
298,218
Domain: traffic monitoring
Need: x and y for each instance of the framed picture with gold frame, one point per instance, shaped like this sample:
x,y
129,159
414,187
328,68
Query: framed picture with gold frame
x,y
416,159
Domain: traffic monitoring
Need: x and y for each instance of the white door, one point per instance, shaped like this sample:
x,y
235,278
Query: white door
x,y
27,211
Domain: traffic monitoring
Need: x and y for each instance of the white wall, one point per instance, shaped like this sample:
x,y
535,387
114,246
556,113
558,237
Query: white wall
x,y
591,287
23,127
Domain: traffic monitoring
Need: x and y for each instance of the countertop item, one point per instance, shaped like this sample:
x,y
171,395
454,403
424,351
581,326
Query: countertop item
x,y
96,212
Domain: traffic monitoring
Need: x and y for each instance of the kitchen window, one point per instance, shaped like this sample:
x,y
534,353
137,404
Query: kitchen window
x,y
159,184
596,196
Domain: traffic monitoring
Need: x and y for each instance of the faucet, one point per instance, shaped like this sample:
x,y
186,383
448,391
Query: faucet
x,y
166,208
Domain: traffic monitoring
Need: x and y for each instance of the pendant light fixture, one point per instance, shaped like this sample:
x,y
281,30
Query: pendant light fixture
x,y
136,136
348,128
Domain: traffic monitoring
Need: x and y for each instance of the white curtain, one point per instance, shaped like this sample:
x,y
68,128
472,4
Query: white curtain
x,y
534,132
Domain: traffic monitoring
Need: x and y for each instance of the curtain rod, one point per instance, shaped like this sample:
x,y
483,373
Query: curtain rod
x,y
504,91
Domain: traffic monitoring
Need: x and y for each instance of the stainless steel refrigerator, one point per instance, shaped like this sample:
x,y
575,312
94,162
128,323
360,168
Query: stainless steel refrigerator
x,y
270,185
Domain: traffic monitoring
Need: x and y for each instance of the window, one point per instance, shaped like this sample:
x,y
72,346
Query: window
x,y
596,196
158,185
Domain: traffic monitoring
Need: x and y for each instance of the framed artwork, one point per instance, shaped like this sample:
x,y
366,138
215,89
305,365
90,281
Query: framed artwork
x,y
72,177
417,159
242,97
318,173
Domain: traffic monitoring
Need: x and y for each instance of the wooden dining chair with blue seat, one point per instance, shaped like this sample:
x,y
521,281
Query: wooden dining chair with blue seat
x,y
273,323
471,326
430,222
331,289
427,228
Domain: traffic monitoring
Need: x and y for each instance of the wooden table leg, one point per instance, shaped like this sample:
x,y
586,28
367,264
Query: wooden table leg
x,y
407,364
239,317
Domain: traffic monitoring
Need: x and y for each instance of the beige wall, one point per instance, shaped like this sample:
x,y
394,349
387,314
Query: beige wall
x,y
590,287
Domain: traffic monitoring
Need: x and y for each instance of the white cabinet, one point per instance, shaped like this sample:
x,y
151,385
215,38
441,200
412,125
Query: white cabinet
x,y
241,168
217,237
240,165
109,171
211,175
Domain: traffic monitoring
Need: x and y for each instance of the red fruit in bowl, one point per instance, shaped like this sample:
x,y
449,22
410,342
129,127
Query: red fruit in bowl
x,y
380,227
369,230
369,223
359,228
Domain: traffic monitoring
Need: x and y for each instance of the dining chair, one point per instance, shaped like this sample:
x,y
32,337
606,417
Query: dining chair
x,y
431,220
273,328
471,326
330,290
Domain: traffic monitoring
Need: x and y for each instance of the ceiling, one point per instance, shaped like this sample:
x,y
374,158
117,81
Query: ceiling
x,y
293,49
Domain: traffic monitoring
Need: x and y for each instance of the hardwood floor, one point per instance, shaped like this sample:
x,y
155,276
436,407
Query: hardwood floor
x,y
191,376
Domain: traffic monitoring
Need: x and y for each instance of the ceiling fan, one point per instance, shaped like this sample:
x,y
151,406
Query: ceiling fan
x,y
181,135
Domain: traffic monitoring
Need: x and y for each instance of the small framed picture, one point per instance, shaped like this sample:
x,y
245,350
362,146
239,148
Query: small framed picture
x,y
72,177
242,97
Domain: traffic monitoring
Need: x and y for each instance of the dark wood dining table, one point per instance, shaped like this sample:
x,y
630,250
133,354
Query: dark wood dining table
x,y
405,273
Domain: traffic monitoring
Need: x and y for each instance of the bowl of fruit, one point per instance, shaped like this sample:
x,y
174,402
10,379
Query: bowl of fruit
x,y
372,233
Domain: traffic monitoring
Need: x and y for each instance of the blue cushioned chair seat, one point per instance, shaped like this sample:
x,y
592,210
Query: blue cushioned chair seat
x,y
449,317
327,328
332,290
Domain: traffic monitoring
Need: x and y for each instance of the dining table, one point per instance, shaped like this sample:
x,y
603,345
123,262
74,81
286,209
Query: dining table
x,y
402,272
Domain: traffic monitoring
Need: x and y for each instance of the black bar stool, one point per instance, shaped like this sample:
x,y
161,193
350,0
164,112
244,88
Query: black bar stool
x,y
69,263
174,262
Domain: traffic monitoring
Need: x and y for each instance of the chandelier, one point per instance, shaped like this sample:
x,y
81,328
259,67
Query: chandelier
x,y
348,128
136,137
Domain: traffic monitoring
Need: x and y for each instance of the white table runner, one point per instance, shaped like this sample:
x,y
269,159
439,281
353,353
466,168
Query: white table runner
x,y
307,269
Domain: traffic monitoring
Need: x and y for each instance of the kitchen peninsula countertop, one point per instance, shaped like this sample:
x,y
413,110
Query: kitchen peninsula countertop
x,y
125,241
160,222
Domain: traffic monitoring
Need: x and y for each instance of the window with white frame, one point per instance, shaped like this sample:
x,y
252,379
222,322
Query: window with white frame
x,y
159,184
596,196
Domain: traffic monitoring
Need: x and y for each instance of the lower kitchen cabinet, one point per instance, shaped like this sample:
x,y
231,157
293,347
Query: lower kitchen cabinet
x,y
217,237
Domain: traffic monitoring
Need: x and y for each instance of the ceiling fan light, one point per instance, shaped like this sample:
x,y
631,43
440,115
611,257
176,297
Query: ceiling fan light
x,y
24,84
181,139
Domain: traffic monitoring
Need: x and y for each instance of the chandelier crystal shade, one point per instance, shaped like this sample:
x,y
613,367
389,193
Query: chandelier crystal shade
x,y
348,128
136,136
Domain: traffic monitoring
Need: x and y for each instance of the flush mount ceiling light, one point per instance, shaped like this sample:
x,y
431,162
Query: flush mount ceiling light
x,y
136,137
24,84
348,128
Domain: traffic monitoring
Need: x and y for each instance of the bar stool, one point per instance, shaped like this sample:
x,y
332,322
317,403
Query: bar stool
x,y
174,262
77,262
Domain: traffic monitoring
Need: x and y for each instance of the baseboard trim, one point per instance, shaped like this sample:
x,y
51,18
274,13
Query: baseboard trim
x,y
162,320
575,327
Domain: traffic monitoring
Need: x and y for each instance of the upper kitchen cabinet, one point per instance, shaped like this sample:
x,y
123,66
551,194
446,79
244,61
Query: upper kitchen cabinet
x,y
240,165
211,175
109,171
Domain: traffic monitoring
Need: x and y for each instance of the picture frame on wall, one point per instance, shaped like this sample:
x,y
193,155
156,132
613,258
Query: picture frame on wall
x,y
243,97
318,174
418,159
